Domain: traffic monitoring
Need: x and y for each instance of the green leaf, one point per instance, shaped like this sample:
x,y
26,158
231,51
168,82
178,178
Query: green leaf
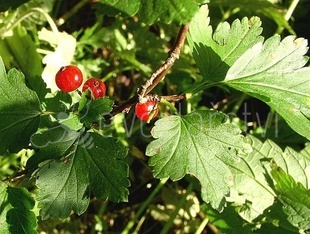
x,y
201,144
167,11
273,73
270,228
19,111
294,197
16,215
151,11
92,165
93,110
62,188
215,53
250,190
294,164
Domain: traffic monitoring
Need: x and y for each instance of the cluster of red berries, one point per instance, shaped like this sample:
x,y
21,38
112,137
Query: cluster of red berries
x,y
70,78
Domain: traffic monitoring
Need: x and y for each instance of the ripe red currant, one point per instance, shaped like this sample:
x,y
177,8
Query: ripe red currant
x,y
146,111
95,86
69,78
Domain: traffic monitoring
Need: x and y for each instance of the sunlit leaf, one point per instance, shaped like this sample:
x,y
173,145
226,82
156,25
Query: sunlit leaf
x,y
201,144
214,53
250,189
274,73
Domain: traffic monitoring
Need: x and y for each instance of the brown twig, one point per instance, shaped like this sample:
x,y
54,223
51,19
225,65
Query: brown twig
x,y
157,75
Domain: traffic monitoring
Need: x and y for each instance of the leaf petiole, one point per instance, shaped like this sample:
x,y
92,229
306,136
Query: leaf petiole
x,y
170,105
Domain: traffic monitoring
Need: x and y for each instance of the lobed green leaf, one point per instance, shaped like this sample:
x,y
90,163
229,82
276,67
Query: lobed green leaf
x,y
201,144
252,191
214,53
273,72
62,188
90,164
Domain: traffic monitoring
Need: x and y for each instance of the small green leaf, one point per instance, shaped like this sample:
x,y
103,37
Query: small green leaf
x,y
215,53
294,197
201,144
274,73
16,214
94,110
92,165
19,111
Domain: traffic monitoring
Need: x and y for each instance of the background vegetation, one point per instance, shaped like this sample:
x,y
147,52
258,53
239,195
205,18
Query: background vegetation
x,y
123,42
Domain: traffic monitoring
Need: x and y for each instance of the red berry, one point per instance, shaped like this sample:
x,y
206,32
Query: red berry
x,y
69,78
95,86
146,111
